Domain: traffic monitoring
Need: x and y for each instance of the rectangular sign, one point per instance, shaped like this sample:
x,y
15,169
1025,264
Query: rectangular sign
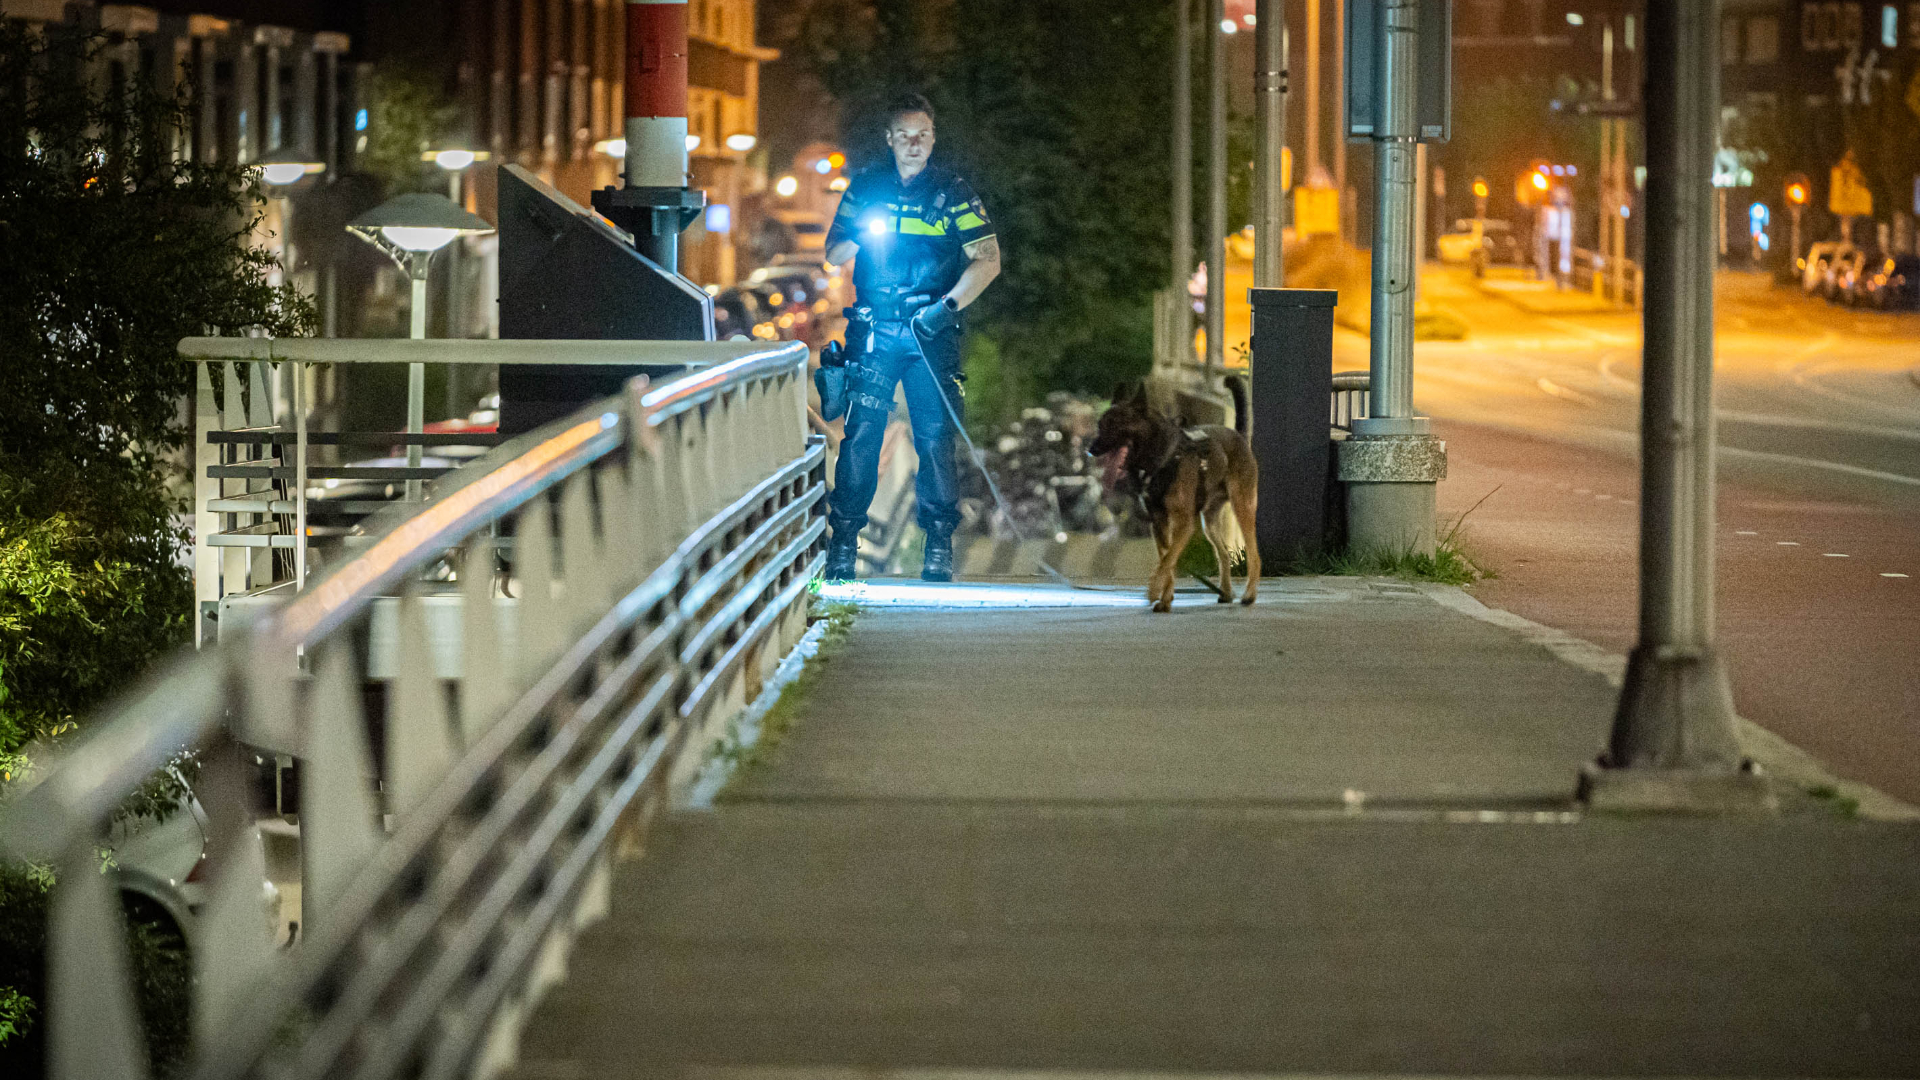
x,y
1316,211
1433,106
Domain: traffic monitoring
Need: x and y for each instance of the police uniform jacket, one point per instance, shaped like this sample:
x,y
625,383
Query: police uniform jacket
x,y
912,236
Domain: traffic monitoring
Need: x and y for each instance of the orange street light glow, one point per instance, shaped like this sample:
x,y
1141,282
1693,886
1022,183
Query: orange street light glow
x,y
1540,181
1480,189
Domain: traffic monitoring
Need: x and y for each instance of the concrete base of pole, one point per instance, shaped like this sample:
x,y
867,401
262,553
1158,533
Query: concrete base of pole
x,y
1390,492
1679,752
1676,791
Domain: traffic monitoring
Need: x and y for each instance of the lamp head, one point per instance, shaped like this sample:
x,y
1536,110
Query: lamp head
x,y
417,223
285,167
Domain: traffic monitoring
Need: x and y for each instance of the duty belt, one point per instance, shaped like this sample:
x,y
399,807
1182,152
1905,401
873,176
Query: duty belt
x,y
888,308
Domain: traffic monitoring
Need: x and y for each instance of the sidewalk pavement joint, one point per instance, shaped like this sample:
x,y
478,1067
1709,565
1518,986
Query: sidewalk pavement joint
x,y
1775,755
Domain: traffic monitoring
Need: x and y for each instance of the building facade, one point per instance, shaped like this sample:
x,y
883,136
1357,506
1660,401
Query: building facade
x,y
1809,84
540,83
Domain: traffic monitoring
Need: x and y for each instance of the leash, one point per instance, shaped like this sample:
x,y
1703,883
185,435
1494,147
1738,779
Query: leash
x,y
980,462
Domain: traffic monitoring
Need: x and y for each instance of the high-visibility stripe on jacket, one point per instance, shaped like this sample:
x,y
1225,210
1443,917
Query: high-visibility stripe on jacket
x,y
912,236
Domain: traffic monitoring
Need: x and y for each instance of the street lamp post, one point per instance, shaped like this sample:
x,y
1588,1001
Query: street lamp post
x,y
1674,742
410,228
1270,105
1393,462
1216,189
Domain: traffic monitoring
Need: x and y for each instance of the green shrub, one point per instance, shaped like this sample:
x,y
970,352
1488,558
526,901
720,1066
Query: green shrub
x,y
162,977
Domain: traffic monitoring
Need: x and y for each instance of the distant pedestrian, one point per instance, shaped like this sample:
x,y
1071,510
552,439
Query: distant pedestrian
x,y
926,250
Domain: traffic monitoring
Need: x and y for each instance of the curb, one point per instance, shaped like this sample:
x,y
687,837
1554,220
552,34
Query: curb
x,y
1774,754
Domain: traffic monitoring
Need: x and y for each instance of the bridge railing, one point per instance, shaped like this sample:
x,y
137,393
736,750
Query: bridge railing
x,y
270,492
661,544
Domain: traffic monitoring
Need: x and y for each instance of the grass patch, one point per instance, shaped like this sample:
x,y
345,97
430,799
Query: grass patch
x,y
1448,565
1829,796
742,756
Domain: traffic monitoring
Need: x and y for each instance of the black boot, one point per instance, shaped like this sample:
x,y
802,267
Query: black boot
x,y
843,556
939,559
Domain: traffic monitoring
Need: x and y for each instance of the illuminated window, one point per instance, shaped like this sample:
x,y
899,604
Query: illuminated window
x,y
1889,25
1851,27
1763,39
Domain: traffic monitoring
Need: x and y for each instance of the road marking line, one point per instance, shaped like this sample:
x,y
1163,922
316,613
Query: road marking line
x,y
1814,463
1788,543
1893,575
1554,389
1745,532
1835,555
1583,491
1803,424
1603,496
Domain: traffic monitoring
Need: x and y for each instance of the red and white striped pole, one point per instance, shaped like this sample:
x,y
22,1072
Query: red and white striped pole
x,y
655,204
656,93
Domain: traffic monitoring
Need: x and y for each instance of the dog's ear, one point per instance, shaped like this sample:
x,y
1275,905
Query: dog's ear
x,y
1120,392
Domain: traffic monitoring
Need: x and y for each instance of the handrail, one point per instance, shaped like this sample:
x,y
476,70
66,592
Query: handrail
x,y
469,351
610,663
673,398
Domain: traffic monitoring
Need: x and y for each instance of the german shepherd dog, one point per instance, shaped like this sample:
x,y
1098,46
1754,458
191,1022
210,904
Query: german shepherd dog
x,y
1183,477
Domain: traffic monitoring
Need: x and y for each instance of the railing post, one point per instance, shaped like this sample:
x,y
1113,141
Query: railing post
x,y
206,557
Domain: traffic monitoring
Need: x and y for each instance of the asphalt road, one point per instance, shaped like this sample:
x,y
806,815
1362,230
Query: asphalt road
x,y
1819,502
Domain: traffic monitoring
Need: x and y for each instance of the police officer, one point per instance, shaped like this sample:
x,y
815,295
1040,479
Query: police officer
x,y
927,250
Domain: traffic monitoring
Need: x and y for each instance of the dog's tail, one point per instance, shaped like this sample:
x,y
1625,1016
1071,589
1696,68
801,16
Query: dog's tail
x,y
1242,415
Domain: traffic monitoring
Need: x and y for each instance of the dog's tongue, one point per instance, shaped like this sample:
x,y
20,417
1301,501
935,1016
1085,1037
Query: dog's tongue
x,y
1111,465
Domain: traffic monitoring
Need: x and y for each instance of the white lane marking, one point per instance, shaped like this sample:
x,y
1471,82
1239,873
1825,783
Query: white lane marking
x,y
1603,497
1814,463
1834,555
1745,532
1806,424
1893,575
1553,389
1788,543
1583,491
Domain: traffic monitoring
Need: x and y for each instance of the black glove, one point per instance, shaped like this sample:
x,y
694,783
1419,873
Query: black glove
x,y
833,354
937,318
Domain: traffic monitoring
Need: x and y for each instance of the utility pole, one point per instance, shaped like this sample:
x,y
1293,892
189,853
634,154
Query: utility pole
x,y
1673,744
1217,189
1270,125
1392,462
1183,162
1312,155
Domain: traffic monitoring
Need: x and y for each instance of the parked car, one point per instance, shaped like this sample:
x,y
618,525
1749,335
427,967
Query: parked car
x,y
737,311
1886,284
1481,242
1840,272
1813,268
161,870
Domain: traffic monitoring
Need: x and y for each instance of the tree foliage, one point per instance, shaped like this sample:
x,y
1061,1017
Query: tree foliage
x,y
1058,114
111,251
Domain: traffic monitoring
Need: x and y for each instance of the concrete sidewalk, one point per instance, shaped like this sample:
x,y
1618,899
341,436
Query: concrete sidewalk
x,y
1332,833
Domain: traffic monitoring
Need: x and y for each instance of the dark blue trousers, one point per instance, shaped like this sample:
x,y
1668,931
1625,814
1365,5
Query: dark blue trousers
x,y
880,356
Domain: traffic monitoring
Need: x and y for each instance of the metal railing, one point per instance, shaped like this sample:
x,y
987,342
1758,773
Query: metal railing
x,y
261,494
1352,398
1622,284
663,541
